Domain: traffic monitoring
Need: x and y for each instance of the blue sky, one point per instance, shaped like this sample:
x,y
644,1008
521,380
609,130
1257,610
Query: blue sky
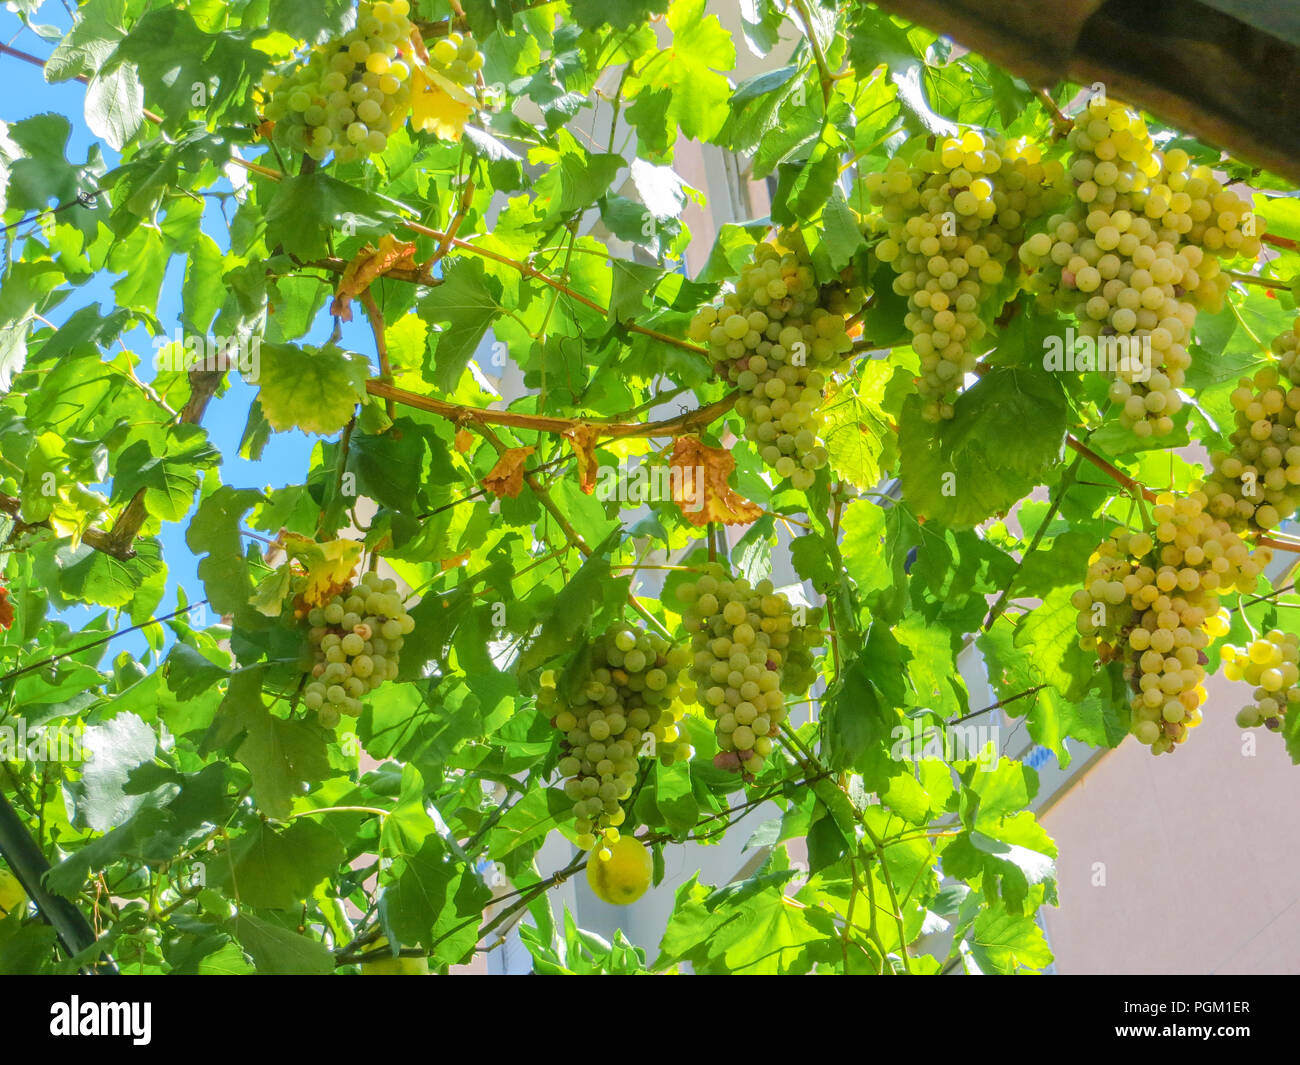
x,y
24,93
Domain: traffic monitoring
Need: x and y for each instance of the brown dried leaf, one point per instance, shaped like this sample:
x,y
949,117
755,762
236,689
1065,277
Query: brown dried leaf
x,y
368,264
699,485
506,478
6,609
464,440
583,438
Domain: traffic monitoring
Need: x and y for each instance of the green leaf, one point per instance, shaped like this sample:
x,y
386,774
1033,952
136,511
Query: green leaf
x,y
313,21
621,14
115,105
1003,942
114,749
313,389
169,475
190,673
277,951
465,304
96,29
305,207
686,86
281,755
1007,432
215,532
268,869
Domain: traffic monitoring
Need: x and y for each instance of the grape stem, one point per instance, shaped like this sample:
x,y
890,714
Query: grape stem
x,y
1255,279
1061,125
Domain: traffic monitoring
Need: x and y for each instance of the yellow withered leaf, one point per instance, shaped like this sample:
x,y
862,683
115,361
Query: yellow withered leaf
x,y
583,438
329,565
698,480
506,478
368,264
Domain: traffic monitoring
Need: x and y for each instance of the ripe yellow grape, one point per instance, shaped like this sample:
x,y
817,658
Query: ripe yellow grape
x,y
1153,603
348,95
620,873
1256,484
777,337
952,218
1136,254
1271,665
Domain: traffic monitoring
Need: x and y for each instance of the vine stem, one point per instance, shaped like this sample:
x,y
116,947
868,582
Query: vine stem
x,y
1110,469
827,78
893,895
998,705
1067,481
102,640
690,422
376,319
1255,279
342,810
1278,545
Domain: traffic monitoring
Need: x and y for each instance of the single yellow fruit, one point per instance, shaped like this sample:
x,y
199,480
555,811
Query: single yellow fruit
x,y
12,896
624,877
394,966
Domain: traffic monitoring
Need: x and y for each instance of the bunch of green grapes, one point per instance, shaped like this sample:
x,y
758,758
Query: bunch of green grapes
x,y
749,657
777,337
1271,666
1256,484
620,708
349,94
953,217
1118,259
1152,601
354,641
1204,215
457,58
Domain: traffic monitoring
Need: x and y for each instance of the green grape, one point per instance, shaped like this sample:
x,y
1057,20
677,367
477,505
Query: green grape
x,y
1268,664
749,657
624,703
1152,600
347,659
347,95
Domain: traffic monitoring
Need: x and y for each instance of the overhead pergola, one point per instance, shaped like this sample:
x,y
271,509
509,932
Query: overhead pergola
x,y
1227,71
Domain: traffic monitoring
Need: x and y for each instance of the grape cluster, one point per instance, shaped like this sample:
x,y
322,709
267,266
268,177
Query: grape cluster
x,y
1256,484
354,639
953,216
457,58
1153,602
1208,217
622,705
349,94
749,657
1270,665
776,338
1116,259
